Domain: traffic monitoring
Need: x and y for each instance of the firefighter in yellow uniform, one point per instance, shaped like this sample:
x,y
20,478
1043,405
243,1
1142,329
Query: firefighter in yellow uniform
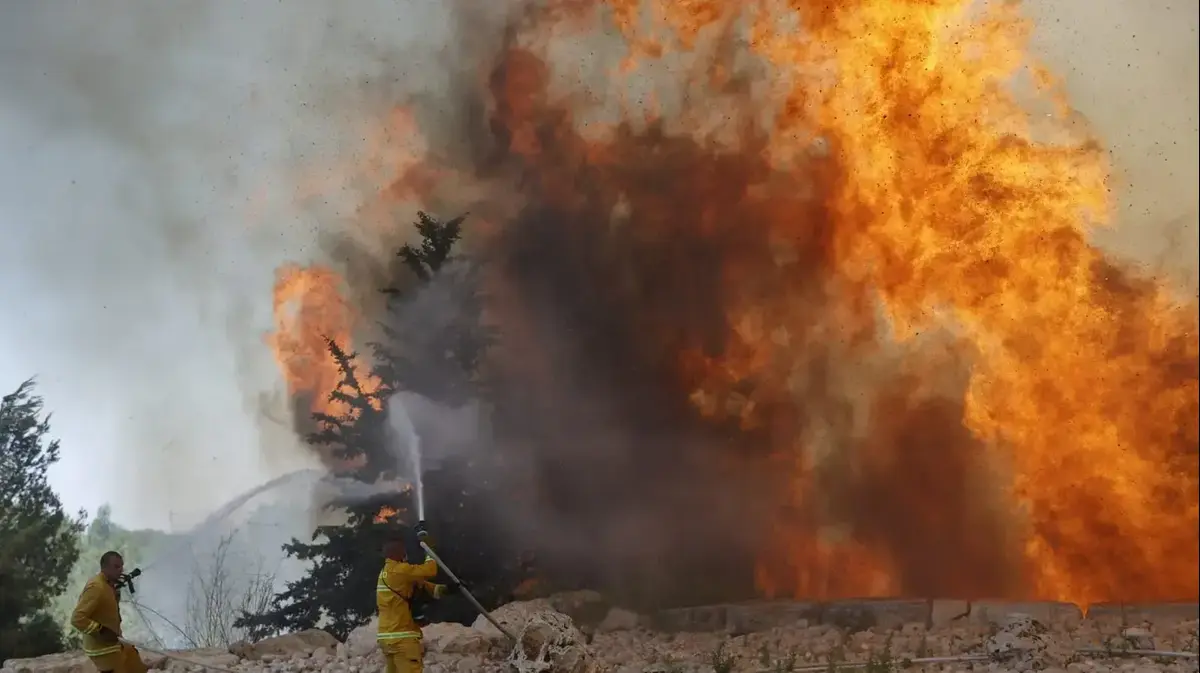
x,y
399,635
97,616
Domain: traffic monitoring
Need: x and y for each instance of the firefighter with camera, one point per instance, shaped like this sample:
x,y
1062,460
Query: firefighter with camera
x,y
97,616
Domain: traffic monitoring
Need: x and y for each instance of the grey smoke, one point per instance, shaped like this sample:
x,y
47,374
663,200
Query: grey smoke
x,y
1133,69
152,166
159,162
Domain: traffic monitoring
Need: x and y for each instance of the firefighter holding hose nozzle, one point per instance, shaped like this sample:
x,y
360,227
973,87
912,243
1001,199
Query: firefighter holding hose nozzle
x,y
407,571
97,616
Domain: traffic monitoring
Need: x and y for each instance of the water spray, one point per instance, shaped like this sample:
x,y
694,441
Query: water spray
x,y
182,549
413,444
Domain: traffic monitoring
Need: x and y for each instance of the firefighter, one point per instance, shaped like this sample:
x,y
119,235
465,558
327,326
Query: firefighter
x,y
98,617
406,569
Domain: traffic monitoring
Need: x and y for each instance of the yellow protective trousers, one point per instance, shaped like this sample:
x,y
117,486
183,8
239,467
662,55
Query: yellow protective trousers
x,y
119,658
405,656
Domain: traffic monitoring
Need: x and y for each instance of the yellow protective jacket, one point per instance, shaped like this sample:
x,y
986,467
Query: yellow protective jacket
x,y
98,606
392,591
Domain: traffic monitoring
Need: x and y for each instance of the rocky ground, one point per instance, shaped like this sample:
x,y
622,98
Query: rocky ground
x,y
579,633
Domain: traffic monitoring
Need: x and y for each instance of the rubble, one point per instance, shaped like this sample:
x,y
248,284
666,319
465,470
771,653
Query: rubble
x,y
759,637
302,643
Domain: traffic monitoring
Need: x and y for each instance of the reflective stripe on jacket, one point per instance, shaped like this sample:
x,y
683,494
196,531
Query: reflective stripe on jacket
x,y
98,606
392,591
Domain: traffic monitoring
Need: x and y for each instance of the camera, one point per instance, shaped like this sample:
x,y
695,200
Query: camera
x,y
126,580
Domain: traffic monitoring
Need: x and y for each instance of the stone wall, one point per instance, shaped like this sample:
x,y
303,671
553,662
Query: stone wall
x,y
579,632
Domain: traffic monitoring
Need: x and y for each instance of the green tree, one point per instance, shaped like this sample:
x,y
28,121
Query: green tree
x,y
39,539
99,535
434,340
338,591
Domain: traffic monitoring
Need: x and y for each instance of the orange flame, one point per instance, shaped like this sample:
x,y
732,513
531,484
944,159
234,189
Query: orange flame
x,y
386,514
899,162
309,309
946,204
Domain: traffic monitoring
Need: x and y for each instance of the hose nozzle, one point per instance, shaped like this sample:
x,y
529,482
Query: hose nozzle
x,y
422,530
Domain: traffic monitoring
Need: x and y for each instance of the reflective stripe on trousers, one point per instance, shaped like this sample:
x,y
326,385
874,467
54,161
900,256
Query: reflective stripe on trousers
x,y
103,651
398,635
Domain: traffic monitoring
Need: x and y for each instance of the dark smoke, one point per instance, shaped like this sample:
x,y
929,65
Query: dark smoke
x,y
612,268
623,484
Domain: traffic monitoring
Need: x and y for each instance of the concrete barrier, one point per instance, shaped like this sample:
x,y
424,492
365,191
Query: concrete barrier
x,y
1135,613
699,619
741,618
1046,612
943,611
862,614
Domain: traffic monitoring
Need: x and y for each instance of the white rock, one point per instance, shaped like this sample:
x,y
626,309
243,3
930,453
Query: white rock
x,y
512,616
301,643
67,662
467,665
618,619
1138,638
449,638
189,660
1022,644
361,641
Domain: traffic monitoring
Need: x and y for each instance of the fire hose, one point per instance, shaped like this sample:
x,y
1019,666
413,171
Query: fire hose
x,y
461,587
176,657
126,582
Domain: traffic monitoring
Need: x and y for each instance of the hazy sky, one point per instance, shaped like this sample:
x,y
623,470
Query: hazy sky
x,y
149,154
1132,69
148,158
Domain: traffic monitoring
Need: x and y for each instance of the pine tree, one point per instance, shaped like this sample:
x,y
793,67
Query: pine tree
x,y
440,357
40,542
434,335
339,590
434,340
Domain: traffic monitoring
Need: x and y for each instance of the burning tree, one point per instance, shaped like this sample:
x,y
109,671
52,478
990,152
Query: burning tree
x,y
434,339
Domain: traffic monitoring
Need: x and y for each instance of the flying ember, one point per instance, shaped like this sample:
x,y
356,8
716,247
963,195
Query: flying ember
x,y
838,240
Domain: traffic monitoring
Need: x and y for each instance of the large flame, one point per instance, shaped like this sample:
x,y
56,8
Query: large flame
x,y
878,195
310,310
947,206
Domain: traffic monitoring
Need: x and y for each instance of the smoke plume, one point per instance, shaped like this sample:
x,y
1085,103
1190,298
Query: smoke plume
x,y
822,360
158,170
161,168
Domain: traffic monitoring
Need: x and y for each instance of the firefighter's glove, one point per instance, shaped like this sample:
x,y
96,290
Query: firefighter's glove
x,y
438,590
107,635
